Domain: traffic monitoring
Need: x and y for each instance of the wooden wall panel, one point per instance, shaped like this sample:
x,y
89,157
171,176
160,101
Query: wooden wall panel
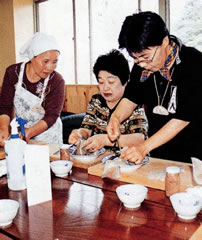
x,y
78,96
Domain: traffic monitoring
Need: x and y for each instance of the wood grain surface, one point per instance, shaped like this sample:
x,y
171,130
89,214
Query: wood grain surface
x,y
77,97
87,207
152,174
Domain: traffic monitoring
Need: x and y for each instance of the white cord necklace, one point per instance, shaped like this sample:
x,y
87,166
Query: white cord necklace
x,y
159,109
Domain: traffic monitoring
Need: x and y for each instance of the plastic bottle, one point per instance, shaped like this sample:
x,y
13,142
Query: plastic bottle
x,y
172,180
14,149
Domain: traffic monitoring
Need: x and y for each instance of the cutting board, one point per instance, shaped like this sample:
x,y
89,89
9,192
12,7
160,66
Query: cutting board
x,y
197,234
152,174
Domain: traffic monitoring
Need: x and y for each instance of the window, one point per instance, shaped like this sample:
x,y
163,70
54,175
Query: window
x,y
55,17
85,29
186,21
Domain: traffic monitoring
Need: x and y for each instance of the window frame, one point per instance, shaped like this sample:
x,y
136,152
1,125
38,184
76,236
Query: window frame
x,y
164,12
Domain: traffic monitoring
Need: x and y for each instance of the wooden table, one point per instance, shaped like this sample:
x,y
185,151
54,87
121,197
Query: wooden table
x,y
86,207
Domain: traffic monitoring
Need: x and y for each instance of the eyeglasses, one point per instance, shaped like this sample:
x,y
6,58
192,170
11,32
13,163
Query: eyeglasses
x,y
145,60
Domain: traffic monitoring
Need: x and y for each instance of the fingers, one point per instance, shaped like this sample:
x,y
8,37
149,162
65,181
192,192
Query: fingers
x,y
132,155
112,134
75,141
74,137
91,147
113,129
78,133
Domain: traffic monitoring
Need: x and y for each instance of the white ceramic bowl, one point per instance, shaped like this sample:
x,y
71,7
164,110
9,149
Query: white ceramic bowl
x,y
186,205
84,158
8,211
61,168
132,195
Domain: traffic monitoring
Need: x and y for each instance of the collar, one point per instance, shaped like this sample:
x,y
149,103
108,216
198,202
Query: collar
x,y
165,70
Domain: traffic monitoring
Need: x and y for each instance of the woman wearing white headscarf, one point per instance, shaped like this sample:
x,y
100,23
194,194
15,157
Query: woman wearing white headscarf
x,y
35,91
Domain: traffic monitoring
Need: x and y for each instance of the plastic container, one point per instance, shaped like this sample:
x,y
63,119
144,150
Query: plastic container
x,y
64,152
14,149
172,180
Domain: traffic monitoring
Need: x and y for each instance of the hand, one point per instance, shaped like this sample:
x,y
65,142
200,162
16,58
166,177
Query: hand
x,y
4,134
27,135
113,129
96,142
134,154
74,137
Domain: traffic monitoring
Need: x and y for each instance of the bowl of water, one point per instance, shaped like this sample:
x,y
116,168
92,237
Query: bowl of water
x,y
186,205
61,168
132,195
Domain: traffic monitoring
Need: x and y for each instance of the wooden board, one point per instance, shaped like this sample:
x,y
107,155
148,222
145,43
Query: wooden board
x,y
197,234
152,174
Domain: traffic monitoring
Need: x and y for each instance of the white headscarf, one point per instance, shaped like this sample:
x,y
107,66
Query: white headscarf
x,y
39,43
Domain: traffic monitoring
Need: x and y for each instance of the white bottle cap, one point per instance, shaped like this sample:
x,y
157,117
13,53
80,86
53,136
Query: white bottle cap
x,y
65,146
173,169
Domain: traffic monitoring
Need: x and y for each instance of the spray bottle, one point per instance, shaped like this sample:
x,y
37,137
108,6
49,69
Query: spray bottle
x,y
14,149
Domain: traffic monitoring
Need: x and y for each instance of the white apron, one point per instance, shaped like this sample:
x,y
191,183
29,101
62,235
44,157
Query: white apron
x,y
28,107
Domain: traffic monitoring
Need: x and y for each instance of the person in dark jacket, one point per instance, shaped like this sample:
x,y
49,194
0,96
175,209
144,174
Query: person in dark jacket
x,y
166,78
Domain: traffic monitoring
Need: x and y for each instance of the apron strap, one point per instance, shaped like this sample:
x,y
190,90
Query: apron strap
x,y
44,88
20,80
20,77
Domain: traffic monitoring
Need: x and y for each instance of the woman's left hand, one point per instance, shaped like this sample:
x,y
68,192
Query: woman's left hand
x,y
96,142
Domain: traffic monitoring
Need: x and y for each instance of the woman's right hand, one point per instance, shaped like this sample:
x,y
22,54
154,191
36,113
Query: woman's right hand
x,y
74,137
4,135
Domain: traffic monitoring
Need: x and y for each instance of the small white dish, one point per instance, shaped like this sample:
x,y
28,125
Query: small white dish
x,y
186,205
84,158
8,211
132,195
61,168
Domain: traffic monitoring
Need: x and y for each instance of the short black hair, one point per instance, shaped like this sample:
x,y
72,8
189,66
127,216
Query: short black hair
x,y
115,63
141,31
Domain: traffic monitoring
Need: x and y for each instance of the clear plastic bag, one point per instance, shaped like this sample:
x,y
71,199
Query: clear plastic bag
x,y
111,169
197,170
